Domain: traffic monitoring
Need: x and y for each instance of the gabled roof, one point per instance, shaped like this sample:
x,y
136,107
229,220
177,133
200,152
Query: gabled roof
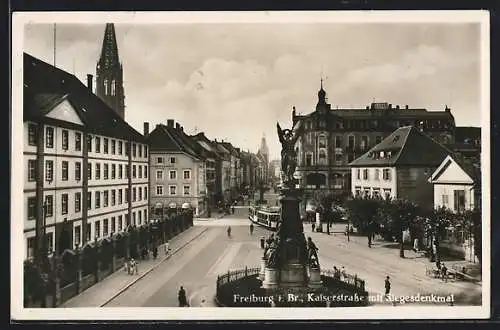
x,y
406,146
169,139
472,170
45,86
205,143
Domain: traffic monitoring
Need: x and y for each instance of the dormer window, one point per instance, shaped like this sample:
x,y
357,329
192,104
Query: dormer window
x,y
382,154
389,154
395,139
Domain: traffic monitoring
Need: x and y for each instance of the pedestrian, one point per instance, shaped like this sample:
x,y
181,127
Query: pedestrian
x,y
336,273
155,252
182,298
415,245
313,226
166,247
232,209
344,273
262,242
229,231
126,266
251,228
444,273
387,286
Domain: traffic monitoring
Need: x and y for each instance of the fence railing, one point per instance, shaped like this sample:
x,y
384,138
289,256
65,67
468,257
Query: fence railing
x,y
234,275
352,280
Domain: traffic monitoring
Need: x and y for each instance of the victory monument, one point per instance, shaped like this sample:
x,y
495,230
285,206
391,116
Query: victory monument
x,y
289,273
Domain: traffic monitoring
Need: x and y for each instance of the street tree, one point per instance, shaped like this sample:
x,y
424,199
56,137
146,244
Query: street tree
x,y
470,222
362,213
437,222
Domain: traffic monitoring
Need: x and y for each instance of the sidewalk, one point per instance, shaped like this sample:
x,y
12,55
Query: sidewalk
x,y
102,292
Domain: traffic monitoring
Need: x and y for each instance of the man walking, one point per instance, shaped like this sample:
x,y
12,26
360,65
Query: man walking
x,y
182,298
251,228
387,286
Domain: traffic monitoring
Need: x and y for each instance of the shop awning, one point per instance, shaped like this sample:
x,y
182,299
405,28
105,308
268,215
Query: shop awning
x,y
172,205
186,206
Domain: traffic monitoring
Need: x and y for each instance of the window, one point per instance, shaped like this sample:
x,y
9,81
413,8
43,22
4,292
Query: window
x,y
365,174
64,140
139,215
113,147
113,197
377,174
173,175
350,142
120,223
127,195
113,87
49,137
32,140
444,200
49,205
159,190
120,196
145,151
106,171
97,144
338,141
49,170
321,142
459,200
113,171
120,147
31,170
89,171
31,247
127,170
78,234
308,159
187,174
134,150
97,171
113,224
173,190
97,199
89,200
364,142
145,171
97,229
159,160
120,171
140,172
145,193
89,143
134,194
88,230
187,190
378,139
386,174
78,141
140,193
105,227
134,171
64,204
159,175
106,198
105,145
50,242
78,202
173,160
64,171
145,212
126,148
31,207
387,193
140,150
78,171
338,157
376,192
322,157
358,174
133,218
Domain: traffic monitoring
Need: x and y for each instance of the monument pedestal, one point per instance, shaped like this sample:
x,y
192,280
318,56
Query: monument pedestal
x,y
263,261
315,278
270,278
293,275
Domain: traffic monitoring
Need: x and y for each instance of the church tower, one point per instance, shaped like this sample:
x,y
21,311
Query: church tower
x,y
264,150
109,73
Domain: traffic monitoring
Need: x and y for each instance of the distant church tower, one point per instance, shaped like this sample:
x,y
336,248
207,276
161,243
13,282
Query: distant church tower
x,y
264,150
109,73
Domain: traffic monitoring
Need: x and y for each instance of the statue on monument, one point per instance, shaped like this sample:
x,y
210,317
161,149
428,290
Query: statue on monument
x,y
312,253
288,138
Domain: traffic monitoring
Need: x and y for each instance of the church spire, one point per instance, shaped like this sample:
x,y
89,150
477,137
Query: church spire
x,y
109,73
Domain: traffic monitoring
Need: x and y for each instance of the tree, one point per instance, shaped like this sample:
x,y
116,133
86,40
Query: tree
x,y
398,216
362,213
470,221
437,222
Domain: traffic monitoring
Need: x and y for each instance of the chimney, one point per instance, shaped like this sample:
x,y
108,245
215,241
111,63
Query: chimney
x,y
397,107
406,107
170,123
90,78
177,126
182,129
146,129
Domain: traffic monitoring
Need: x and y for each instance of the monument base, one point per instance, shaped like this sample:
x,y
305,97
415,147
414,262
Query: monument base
x,y
293,275
315,278
270,278
262,268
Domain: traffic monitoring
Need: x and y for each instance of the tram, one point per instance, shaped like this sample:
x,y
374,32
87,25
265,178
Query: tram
x,y
267,217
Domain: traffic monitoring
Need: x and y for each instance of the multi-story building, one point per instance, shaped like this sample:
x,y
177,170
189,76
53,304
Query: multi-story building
x,y
264,154
468,143
213,161
234,181
178,169
332,138
399,167
85,168
224,173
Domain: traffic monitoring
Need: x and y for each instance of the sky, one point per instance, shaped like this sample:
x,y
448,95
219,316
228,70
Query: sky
x,y
235,81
